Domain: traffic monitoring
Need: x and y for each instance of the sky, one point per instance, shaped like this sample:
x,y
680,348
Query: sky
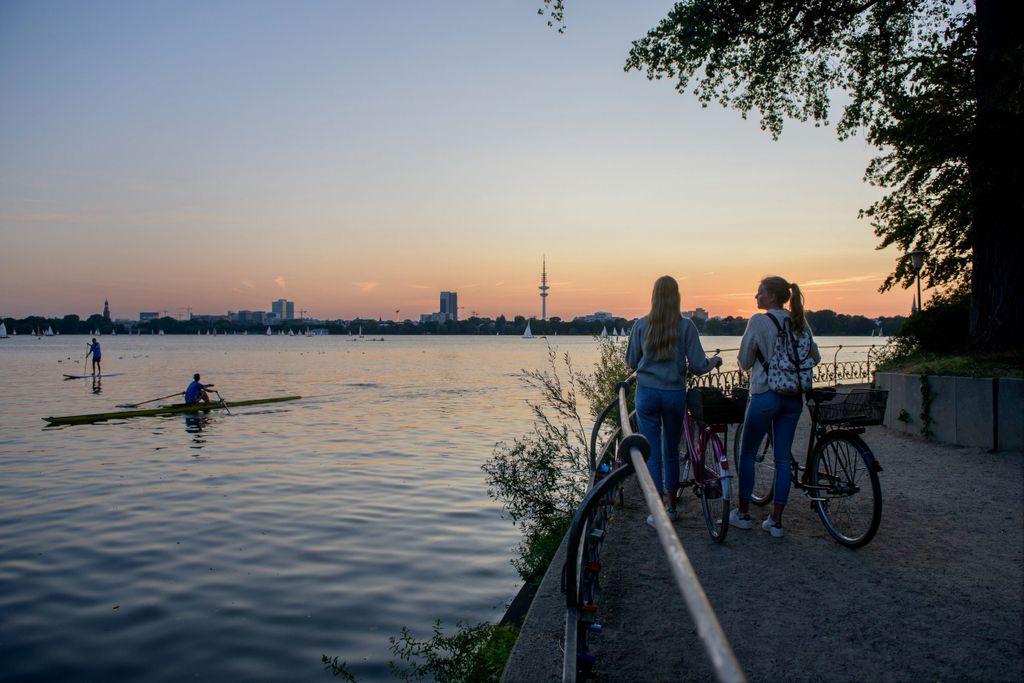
x,y
358,158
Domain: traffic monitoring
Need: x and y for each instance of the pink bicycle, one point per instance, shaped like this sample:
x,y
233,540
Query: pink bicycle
x,y
704,466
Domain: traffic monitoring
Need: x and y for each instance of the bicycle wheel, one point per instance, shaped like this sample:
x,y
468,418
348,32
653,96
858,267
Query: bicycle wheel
x,y
844,486
764,467
714,491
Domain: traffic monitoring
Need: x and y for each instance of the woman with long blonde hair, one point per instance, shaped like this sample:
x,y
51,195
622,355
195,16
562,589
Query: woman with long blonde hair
x,y
768,409
663,347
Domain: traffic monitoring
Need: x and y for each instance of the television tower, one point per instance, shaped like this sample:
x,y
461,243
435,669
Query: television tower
x,y
544,290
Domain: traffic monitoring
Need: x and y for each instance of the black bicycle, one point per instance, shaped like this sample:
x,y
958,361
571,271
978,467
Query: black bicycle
x,y
840,473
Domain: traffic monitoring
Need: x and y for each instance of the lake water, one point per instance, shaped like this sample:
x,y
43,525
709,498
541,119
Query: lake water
x,y
244,546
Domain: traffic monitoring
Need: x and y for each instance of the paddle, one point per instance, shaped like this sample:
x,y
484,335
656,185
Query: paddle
x,y
136,405
222,402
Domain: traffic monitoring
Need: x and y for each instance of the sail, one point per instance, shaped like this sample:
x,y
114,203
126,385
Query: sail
x,y
604,331
528,333
49,332
3,330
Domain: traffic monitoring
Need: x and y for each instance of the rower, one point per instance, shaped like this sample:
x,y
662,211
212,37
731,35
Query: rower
x,y
196,391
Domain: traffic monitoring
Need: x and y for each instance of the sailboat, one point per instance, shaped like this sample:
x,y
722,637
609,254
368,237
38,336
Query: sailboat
x,y
3,331
604,332
161,333
49,331
360,330
528,333
14,331
268,331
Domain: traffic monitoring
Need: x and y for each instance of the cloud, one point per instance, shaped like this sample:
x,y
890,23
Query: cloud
x,y
843,280
279,281
366,286
248,284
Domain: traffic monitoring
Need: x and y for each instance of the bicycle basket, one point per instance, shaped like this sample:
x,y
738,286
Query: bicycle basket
x,y
711,406
858,408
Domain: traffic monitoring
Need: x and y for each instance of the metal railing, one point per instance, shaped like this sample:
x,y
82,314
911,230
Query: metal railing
x,y
824,373
581,574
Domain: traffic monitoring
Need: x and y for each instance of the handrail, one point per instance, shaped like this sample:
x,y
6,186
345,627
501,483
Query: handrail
x,y
593,436
579,541
716,645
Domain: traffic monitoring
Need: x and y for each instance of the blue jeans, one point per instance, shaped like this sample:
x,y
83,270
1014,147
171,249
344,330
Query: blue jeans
x,y
660,414
780,414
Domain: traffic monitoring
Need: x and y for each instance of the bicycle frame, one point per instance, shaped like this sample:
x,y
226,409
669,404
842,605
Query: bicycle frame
x,y
696,436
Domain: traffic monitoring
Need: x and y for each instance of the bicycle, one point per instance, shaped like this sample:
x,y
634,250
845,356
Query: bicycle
x,y
709,412
840,473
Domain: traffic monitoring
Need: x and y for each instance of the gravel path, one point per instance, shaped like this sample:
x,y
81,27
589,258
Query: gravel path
x,y
938,595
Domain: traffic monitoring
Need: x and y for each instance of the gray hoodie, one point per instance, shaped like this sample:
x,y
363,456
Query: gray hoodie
x,y
668,374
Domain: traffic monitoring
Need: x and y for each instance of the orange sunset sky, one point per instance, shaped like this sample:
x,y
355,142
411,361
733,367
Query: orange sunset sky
x,y
357,158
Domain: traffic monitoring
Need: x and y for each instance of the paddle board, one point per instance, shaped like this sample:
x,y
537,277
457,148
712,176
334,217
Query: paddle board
x,y
105,374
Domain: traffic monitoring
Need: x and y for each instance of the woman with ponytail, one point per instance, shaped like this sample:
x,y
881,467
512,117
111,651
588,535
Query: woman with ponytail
x,y
768,409
663,347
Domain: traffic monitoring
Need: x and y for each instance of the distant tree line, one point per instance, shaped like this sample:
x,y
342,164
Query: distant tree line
x,y
825,322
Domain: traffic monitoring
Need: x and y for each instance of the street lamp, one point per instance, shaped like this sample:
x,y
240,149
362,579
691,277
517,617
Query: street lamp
x,y
917,261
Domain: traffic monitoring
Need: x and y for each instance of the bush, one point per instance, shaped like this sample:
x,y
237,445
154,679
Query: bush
x,y
473,654
942,325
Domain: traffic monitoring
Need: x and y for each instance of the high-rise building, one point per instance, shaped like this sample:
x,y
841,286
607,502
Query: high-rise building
x,y
283,309
450,305
544,290
106,310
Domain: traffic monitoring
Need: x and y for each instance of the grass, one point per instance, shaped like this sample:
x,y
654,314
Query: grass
x,y
1006,364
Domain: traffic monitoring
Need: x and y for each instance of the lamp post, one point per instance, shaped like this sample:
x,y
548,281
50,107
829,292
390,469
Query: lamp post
x,y
917,261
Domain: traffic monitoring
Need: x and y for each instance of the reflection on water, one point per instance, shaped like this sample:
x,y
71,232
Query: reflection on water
x,y
97,385
194,425
319,526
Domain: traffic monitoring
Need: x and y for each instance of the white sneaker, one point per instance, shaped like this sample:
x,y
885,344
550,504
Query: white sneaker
x,y
672,516
774,529
740,520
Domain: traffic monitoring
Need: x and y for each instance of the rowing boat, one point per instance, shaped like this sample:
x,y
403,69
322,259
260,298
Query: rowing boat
x,y
163,410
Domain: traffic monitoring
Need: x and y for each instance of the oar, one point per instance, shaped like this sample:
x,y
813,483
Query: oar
x,y
223,403
136,405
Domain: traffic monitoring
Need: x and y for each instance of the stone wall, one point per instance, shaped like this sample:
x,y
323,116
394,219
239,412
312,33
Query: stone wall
x,y
962,411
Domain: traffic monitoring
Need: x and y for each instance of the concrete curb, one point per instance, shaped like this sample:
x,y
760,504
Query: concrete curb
x,y
537,654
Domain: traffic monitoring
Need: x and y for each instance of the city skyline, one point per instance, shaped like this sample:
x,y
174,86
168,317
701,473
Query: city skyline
x,y
169,167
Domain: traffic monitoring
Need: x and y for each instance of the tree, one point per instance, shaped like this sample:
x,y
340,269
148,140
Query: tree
x,y
936,86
